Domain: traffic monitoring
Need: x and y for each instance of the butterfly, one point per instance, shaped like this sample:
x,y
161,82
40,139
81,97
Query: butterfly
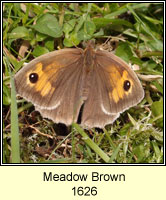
x,y
62,82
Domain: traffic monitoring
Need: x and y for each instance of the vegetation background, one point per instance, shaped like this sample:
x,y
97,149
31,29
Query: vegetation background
x,y
134,32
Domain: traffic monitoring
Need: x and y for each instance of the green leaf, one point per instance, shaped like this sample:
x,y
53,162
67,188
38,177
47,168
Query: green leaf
x,y
155,45
87,30
157,107
157,110
81,21
49,44
40,37
48,25
89,27
73,40
102,22
141,152
19,32
82,35
69,26
38,51
99,33
124,51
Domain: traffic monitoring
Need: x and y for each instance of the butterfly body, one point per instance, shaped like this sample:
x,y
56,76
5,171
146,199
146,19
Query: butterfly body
x,y
60,82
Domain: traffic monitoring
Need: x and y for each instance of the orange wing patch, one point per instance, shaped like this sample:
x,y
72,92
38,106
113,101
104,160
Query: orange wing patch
x,y
117,82
43,85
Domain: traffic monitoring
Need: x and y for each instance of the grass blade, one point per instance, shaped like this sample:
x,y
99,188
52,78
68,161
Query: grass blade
x,y
91,144
15,145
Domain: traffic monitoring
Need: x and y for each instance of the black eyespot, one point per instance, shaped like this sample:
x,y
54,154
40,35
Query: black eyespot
x,y
33,77
127,85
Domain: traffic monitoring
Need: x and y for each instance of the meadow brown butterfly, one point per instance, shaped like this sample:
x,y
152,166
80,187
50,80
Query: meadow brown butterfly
x,y
59,83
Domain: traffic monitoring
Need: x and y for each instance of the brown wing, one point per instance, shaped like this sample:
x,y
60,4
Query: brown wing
x,y
123,86
57,91
115,88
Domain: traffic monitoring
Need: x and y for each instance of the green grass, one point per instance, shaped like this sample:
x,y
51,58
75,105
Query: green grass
x,y
134,31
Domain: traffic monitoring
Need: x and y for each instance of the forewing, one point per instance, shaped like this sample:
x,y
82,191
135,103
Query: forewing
x,y
53,70
114,73
57,93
